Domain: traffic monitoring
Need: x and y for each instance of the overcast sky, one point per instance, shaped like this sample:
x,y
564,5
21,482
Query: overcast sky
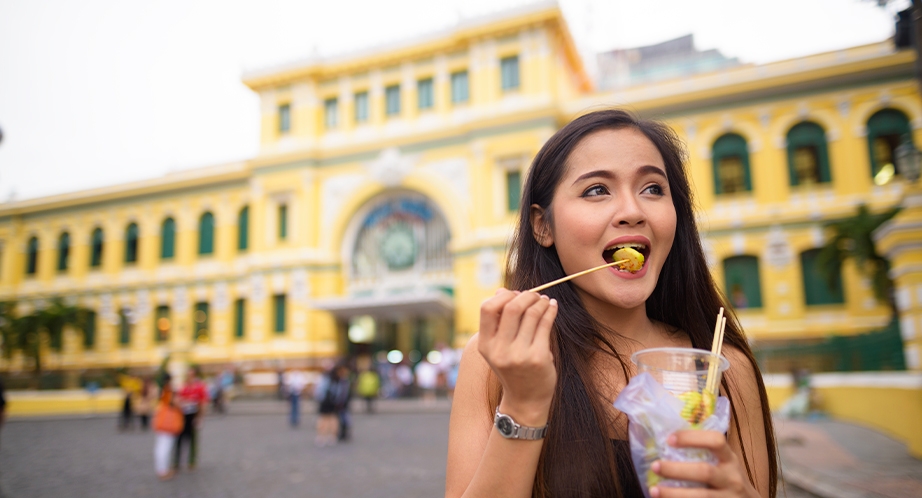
x,y
100,92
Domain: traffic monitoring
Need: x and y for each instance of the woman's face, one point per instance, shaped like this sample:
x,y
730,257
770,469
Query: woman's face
x,y
614,193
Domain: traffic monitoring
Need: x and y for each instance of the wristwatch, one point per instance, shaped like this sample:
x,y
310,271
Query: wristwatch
x,y
509,429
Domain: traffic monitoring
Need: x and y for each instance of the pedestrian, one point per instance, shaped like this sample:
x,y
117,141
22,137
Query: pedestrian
x,y
404,375
2,405
130,387
144,402
343,396
427,378
369,382
296,381
193,398
168,424
327,417
554,362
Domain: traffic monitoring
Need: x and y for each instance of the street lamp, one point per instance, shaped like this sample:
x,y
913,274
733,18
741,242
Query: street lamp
x,y
908,160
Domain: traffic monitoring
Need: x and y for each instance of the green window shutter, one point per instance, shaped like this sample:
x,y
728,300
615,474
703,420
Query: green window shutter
x,y
243,228
330,113
513,190
361,107
89,331
63,251
509,73
284,118
162,324
96,247
459,87
239,318
816,288
200,321
131,243
808,157
279,308
283,221
741,281
32,256
168,239
887,128
424,94
124,328
730,158
206,234
392,100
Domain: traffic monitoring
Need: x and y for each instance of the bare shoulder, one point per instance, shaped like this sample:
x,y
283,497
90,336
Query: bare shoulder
x,y
742,374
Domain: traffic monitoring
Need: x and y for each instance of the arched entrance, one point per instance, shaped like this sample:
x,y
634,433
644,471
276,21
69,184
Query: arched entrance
x,y
399,278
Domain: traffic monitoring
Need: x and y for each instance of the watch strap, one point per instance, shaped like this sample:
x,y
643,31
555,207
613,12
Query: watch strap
x,y
520,431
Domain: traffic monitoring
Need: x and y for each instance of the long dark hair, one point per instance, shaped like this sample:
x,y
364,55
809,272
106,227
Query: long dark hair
x,y
685,298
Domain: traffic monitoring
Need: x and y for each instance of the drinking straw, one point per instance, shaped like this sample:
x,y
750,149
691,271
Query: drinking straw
x,y
568,277
716,346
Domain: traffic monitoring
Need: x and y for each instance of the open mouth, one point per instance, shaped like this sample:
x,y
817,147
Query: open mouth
x,y
609,256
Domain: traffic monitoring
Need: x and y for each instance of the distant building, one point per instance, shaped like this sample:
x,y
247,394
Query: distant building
x,y
377,212
663,61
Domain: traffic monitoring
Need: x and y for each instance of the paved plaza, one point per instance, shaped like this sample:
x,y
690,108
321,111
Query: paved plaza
x,y
251,452
241,455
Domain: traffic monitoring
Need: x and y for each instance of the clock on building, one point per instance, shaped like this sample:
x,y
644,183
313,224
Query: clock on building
x,y
398,246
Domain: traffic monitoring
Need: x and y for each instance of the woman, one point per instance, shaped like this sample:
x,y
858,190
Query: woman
x,y
560,359
168,424
326,394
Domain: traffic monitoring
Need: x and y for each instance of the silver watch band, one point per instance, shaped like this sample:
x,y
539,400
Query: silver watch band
x,y
517,431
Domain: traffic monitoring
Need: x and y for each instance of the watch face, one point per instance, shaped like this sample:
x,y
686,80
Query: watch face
x,y
504,424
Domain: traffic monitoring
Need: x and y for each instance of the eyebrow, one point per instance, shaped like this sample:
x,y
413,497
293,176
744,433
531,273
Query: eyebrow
x,y
648,169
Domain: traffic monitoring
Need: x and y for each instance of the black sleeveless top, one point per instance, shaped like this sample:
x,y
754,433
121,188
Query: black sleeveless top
x,y
630,484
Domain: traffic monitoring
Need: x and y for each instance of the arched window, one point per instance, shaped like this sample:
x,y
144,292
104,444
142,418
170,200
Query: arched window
x,y
96,248
887,128
63,251
742,285
206,233
816,286
808,159
167,239
32,256
731,164
131,243
243,223
162,324
124,327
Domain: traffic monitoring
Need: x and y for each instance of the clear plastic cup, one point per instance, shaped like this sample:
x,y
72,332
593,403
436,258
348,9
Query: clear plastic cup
x,y
680,370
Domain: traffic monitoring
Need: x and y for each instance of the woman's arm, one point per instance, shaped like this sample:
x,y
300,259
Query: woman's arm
x,y
514,343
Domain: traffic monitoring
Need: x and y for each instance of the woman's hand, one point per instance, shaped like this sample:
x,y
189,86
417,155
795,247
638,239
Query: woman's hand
x,y
515,331
726,479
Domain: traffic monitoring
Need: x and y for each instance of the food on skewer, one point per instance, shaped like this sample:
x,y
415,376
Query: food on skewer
x,y
634,259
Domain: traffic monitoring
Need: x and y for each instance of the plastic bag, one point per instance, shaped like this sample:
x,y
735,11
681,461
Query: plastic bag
x,y
654,414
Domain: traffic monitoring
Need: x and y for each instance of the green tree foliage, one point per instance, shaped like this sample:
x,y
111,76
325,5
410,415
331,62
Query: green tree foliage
x,y
27,333
852,238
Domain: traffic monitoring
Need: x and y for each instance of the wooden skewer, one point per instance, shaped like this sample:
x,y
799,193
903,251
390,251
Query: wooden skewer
x,y
569,277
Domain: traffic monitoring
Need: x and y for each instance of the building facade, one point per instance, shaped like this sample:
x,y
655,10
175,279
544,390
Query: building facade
x,y
377,213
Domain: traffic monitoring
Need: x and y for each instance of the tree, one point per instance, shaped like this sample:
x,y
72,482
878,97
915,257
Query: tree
x,y
27,333
852,238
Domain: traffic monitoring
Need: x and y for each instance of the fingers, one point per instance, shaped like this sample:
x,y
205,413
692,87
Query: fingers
x,y
527,327
727,475
490,312
514,313
711,440
542,339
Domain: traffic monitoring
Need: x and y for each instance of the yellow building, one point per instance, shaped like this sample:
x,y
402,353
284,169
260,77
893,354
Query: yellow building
x,y
382,199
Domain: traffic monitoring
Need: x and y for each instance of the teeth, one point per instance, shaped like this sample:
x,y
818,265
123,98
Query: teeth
x,y
633,245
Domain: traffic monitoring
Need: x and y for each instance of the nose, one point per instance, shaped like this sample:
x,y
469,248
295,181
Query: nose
x,y
629,212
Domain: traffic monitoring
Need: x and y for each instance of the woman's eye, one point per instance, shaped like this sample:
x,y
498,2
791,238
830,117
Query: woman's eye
x,y
655,190
595,190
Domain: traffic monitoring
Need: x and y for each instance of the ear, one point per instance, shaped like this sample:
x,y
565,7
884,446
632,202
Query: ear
x,y
540,227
